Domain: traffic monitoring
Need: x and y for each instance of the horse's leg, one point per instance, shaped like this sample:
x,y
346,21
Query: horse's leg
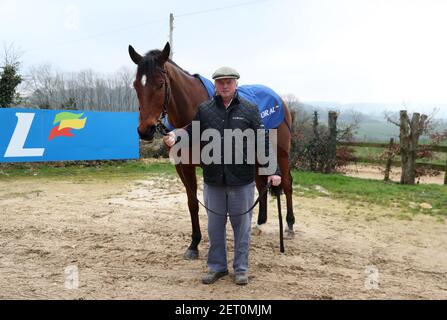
x,y
187,174
283,148
286,184
261,182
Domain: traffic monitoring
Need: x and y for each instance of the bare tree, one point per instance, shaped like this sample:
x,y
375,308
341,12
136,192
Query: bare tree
x,y
299,114
347,129
410,133
84,90
42,82
11,54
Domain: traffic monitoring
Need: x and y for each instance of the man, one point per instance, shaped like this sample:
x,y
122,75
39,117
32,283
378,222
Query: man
x,y
228,188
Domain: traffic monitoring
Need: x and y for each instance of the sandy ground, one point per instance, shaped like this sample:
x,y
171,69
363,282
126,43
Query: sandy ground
x,y
127,237
366,171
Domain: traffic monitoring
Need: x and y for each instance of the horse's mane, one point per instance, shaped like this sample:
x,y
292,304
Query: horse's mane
x,y
150,64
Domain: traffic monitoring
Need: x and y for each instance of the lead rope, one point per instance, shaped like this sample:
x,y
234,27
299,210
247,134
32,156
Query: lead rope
x,y
163,130
277,192
281,230
244,213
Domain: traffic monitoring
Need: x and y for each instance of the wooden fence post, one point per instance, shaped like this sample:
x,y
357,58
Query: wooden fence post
x,y
389,160
332,161
445,177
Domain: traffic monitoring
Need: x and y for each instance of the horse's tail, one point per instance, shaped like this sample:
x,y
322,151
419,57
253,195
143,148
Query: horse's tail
x,y
288,119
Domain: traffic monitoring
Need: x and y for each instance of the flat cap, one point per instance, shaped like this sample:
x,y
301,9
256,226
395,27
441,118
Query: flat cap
x,y
226,73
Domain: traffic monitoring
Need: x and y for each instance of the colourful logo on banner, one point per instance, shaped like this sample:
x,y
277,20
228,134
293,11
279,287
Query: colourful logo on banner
x,y
66,121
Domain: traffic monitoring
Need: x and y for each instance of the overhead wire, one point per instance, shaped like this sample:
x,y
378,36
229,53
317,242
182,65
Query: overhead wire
x,y
153,21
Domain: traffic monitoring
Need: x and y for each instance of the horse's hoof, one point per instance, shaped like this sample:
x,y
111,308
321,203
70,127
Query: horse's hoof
x,y
290,233
191,254
256,231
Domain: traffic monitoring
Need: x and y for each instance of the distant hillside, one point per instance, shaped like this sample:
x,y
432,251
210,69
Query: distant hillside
x,y
378,109
376,131
373,125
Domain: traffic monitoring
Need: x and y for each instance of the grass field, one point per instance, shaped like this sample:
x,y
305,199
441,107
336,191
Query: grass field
x,y
338,186
382,131
103,169
373,191
374,153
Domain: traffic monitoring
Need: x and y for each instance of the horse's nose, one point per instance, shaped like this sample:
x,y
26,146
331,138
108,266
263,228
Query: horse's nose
x,y
148,135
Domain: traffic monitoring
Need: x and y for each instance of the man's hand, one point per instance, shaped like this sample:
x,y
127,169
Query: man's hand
x,y
169,139
276,180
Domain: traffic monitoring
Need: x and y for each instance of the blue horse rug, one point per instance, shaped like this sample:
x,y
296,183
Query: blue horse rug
x,y
268,101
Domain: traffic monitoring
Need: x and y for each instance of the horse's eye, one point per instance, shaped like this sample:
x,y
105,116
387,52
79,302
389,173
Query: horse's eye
x,y
160,85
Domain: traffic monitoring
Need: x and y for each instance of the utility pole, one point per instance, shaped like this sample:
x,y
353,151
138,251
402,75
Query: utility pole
x,y
171,31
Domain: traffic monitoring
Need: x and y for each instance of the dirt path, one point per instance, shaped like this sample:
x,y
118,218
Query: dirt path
x,y
127,238
366,171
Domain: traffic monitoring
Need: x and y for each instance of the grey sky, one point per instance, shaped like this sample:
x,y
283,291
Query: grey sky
x,y
325,50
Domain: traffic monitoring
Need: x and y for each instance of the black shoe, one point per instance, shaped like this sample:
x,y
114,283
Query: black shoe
x,y
241,279
212,276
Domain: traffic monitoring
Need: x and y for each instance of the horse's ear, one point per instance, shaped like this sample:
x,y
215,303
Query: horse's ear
x,y
164,56
135,56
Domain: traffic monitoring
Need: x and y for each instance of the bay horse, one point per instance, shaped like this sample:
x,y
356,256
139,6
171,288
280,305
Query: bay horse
x,y
164,88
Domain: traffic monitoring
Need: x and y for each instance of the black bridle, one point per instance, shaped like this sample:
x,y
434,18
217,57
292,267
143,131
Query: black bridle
x,y
159,126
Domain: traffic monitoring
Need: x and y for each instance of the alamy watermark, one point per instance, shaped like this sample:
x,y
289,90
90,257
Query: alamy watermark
x,y
233,143
372,278
71,277
71,22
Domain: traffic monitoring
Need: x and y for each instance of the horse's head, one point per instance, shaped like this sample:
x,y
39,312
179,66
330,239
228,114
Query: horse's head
x,y
151,84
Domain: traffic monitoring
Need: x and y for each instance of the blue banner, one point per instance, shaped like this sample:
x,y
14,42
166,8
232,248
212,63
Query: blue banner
x,y
28,135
